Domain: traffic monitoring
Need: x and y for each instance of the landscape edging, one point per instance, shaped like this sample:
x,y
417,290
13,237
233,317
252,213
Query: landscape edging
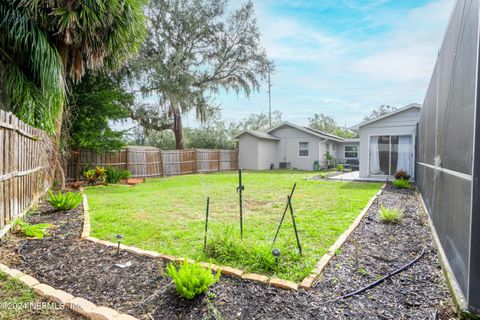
x,y
306,283
79,305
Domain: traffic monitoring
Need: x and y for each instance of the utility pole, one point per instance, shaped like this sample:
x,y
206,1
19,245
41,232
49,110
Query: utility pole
x,y
269,99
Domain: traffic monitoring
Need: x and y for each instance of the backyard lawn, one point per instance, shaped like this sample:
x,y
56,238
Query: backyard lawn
x,y
167,215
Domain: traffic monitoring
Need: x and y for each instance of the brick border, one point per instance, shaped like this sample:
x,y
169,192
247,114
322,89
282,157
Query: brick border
x,y
306,283
76,304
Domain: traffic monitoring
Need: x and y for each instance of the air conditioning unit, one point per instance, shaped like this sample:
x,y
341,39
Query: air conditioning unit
x,y
284,165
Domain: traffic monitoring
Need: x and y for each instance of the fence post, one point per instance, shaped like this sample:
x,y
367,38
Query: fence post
x,y
77,164
219,160
162,163
195,164
127,160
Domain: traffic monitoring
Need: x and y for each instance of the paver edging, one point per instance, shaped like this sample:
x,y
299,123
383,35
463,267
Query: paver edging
x,y
306,283
76,304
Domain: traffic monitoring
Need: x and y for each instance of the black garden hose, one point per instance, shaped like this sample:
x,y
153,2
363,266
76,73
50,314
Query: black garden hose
x,y
377,282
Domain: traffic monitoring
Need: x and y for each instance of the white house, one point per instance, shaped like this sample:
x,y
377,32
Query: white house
x,y
292,146
386,144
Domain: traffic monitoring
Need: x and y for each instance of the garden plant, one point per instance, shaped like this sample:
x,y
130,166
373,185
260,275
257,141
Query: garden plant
x,y
64,201
191,279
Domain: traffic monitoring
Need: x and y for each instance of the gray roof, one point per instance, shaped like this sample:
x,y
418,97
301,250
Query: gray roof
x,y
258,134
311,131
410,106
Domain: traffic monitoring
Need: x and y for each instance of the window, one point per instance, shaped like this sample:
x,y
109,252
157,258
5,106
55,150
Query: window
x,y
388,154
303,149
351,151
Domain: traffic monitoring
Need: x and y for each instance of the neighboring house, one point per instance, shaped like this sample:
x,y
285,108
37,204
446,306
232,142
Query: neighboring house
x,y
292,146
387,143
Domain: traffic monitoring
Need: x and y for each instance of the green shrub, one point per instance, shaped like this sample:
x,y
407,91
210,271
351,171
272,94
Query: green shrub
x,y
402,174
64,201
191,279
31,230
401,184
389,215
114,175
98,174
340,167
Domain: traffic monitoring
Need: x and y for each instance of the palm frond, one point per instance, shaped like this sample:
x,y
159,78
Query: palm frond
x,y
33,81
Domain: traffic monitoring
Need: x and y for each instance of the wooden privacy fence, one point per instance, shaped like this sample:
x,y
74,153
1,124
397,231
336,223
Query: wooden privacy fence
x,y
25,162
144,162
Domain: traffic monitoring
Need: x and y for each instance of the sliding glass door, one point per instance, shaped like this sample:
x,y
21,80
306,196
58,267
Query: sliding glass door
x,y
388,154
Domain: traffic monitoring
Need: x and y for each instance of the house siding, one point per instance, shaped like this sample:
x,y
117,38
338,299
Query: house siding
x,y
403,123
248,152
267,154
288,147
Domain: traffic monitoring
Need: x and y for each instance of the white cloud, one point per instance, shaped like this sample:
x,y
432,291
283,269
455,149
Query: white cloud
x,y
346,77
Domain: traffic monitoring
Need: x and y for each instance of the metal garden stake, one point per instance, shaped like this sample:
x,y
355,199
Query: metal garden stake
x,y
206,225
284,212
294,224
240,189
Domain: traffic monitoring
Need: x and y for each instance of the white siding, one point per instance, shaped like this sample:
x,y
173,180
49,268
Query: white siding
x,y
288,147
403,123
267,154
248,152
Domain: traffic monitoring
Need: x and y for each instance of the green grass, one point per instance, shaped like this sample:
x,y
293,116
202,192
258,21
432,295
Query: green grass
x,y
168,215
15,299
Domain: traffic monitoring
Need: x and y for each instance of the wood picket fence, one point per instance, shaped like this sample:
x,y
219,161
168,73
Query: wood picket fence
x,y
145,162
26,155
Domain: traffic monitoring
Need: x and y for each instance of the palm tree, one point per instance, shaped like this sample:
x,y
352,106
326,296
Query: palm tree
x,y
47,44
31,72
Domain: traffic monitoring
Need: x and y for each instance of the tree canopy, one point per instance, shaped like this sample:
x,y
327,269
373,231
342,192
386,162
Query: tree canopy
x,y
94,102
46,44
327,124
194,49
379,111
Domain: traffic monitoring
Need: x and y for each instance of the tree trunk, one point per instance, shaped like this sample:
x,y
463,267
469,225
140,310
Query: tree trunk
x,y
178,129
56,163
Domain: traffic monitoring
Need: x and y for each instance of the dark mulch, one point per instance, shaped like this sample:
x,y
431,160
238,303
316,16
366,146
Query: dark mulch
x,y
374,249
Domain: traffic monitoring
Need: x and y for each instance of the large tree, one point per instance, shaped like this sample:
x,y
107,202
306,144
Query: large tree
x,y
94,102
45,44
194,49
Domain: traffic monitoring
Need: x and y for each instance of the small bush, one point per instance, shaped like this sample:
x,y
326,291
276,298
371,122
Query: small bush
x,y
31,230
95,175
114,175
401,184
191,279
389,215
340,167
64,201
402,174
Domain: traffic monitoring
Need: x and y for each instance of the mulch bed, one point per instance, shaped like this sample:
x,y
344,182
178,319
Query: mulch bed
x,y
374,249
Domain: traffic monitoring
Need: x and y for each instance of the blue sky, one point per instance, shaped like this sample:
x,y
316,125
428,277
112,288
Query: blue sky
x,y
343,57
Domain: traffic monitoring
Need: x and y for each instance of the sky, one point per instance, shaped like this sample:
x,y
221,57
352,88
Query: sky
x,y
343,58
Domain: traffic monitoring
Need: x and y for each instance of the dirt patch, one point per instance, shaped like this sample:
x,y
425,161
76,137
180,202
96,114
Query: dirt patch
x,y
89,270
